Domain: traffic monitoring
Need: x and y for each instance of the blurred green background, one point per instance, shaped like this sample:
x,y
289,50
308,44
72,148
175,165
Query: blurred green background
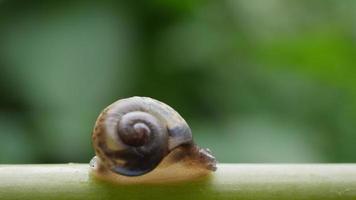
x,y
258,81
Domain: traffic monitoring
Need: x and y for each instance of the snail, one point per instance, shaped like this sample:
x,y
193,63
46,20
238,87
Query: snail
x,y
140,139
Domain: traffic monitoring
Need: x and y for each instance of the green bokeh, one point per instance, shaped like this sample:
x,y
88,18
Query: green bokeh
x,y
258,81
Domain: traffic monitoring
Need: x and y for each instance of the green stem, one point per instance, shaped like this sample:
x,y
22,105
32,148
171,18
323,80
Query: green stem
x,y
230,181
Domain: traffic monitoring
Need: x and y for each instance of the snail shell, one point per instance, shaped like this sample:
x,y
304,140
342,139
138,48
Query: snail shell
x,y
132,136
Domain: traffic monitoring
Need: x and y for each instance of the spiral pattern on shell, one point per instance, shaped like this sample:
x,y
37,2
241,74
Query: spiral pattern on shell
x,y
133,135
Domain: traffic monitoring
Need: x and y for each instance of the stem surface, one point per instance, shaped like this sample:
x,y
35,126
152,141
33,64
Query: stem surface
x,y
230,181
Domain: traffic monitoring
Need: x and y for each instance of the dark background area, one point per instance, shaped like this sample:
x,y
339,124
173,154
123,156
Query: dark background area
x,y
258,81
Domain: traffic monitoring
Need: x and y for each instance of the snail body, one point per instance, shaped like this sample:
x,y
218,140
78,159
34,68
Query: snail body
x,y
139,138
